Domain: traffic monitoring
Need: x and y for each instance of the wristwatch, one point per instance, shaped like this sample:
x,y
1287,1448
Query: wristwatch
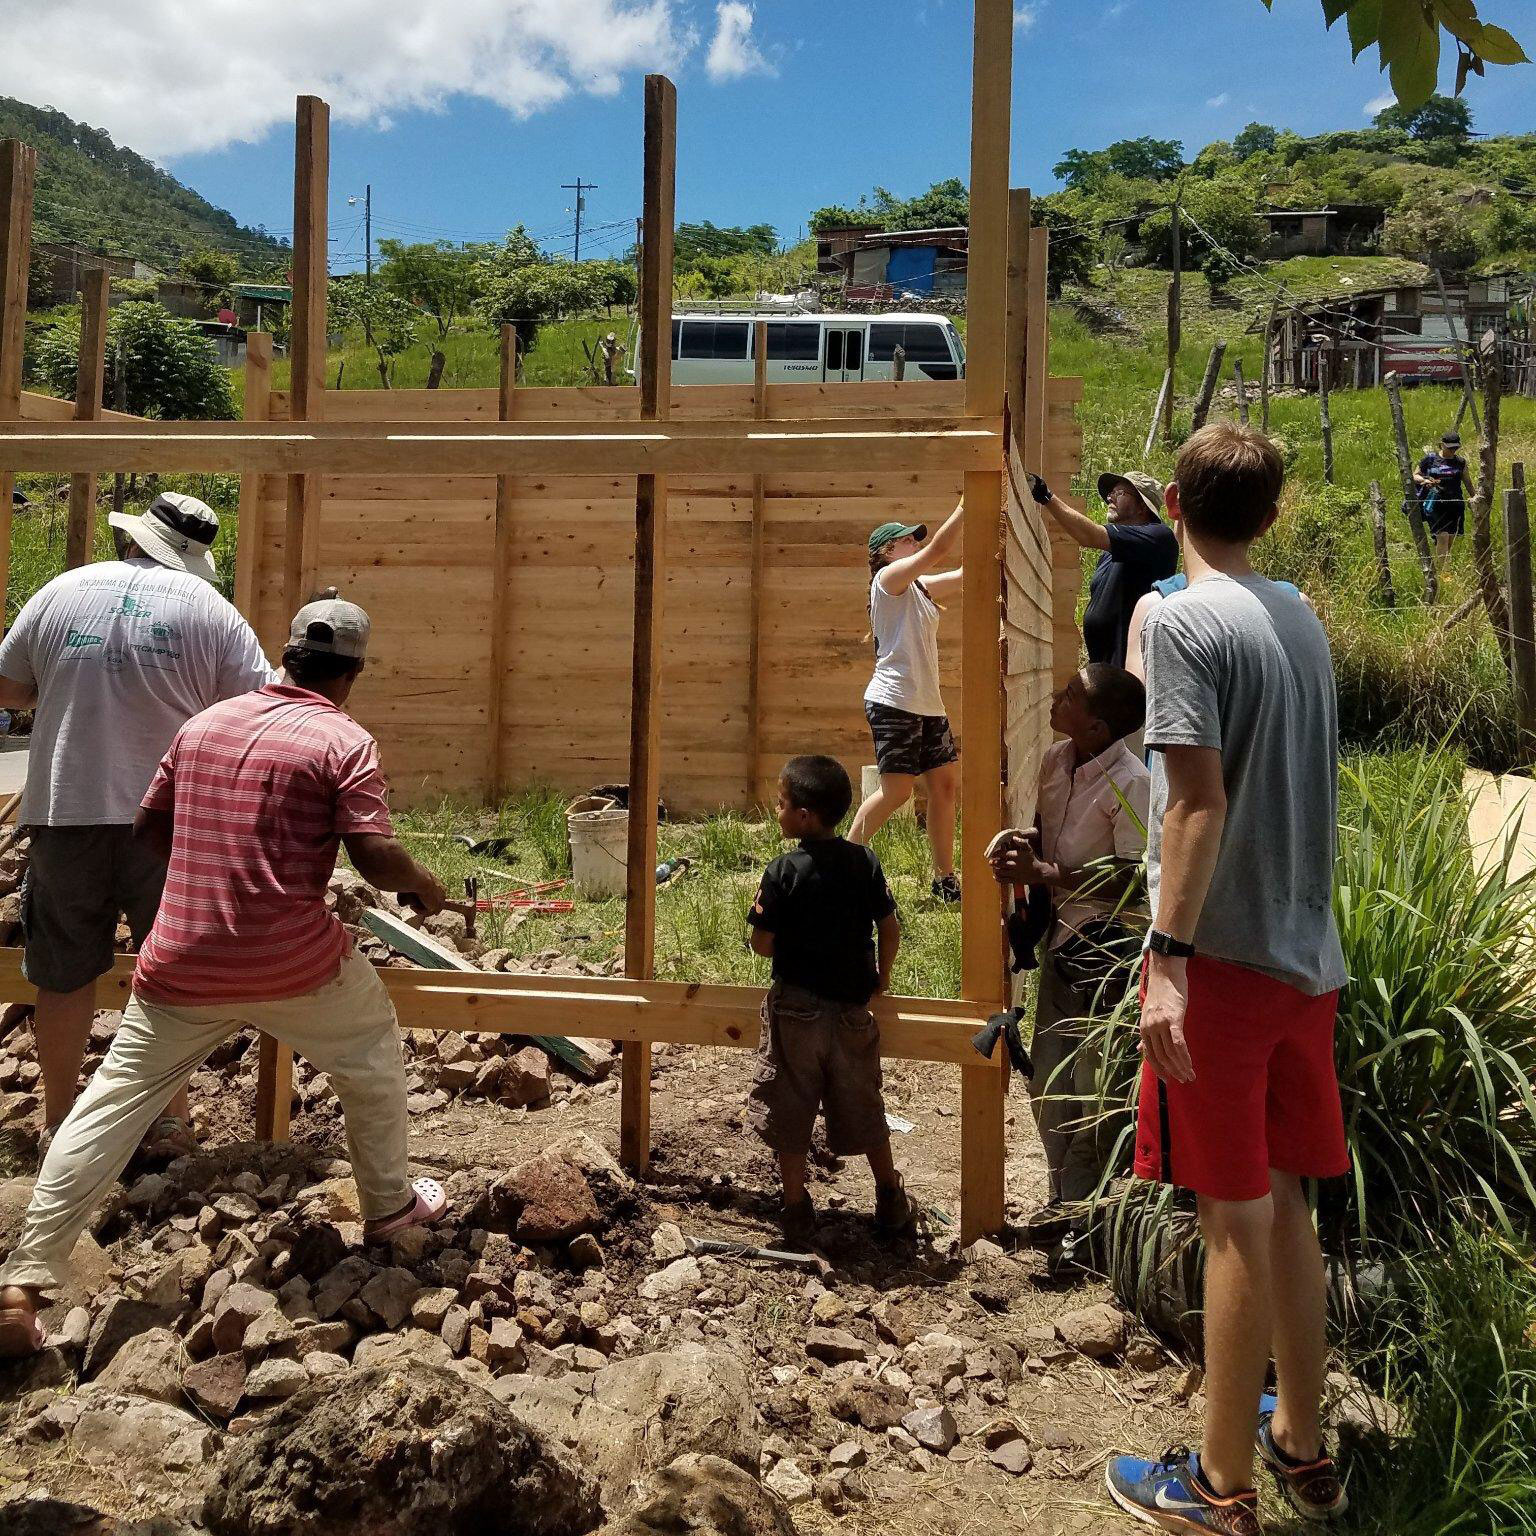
x,y
1165,944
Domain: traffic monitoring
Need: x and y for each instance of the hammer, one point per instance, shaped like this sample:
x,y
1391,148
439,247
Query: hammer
x,y
468,909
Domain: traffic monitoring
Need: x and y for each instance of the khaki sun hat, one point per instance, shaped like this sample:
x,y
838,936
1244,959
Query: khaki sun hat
x,y
1146,486
175,530
332,626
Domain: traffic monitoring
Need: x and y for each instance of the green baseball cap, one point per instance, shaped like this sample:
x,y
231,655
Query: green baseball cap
x,y
886,533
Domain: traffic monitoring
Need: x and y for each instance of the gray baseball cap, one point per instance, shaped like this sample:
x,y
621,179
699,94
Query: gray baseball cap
x,y
332,626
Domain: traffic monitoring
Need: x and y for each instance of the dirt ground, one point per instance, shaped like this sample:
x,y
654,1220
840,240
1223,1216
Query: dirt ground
x,y
713,1179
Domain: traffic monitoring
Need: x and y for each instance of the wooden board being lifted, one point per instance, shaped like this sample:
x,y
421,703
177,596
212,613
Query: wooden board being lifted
x,y
426,951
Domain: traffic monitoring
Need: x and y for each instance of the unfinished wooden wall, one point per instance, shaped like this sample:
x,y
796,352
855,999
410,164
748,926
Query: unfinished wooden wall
x,y
418,554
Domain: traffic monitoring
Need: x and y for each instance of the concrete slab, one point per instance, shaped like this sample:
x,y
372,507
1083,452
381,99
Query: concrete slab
x,y
1501,808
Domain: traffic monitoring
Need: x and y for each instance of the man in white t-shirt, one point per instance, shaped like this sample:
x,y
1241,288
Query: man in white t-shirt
x,y
116,657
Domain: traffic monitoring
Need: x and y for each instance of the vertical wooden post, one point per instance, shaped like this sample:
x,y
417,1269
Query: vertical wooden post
x,y
650,585
250,535
1379,539
1242,390
306,391
90,375
1325,413
1468,395
1175,317
755,576
982,1140
1208,386
18,175
1411,508
1522,619
1264,372
1016,337
500,573
311,176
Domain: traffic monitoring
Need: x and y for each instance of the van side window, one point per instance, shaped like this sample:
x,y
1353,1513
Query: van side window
x,y
715,339
923,343
793,343
677,331
855,354
834,351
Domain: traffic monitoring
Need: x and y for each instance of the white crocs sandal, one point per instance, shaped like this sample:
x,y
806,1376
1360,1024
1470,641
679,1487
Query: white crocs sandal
x,y
430,1203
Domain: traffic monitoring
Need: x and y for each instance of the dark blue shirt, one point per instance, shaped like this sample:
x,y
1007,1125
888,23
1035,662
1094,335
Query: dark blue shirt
x,y
1449,475
1138,555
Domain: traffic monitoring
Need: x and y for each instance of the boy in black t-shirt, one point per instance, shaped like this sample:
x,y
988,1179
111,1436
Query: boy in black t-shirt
x,y
817,914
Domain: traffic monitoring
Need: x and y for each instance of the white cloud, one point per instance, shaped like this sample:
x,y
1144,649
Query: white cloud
x,y
171,77
733,51
1025,16
1216,102
1378,104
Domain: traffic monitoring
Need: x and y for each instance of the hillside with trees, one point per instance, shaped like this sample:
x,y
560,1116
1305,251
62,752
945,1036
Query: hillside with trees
x,y
95,193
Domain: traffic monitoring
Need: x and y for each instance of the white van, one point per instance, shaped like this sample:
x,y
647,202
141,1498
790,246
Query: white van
x,y
812,348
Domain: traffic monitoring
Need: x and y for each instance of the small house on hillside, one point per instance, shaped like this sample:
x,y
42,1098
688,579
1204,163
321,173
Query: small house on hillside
x,y
888,264
1362,336
1340,229
67,264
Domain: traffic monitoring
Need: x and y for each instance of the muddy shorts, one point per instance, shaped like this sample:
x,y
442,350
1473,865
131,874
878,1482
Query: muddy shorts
x,y
908,743
817,1054
79,881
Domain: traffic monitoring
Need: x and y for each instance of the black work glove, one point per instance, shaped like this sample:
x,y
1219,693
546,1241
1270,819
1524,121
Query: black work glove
x,y
1038,489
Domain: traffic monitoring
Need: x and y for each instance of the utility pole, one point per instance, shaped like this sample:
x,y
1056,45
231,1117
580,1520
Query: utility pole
x,y
367,230
580,188
1174,316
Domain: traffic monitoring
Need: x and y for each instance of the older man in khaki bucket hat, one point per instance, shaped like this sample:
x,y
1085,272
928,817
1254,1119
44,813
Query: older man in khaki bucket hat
x,y
1138,549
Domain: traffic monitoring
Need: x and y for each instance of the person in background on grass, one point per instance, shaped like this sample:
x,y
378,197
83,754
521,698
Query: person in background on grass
x,y
117,656
819,912
906,714
1138,549
1085,848
1443,484
1239,1101
249,807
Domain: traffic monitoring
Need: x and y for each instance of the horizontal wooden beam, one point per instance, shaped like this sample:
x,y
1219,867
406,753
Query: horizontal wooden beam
x,y
605,1008
502,448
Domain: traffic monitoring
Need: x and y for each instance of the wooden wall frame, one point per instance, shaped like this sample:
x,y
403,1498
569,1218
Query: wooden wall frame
x,y
1011,619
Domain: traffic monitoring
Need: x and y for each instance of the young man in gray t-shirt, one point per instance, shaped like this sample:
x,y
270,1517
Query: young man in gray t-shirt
x,y
1239,1099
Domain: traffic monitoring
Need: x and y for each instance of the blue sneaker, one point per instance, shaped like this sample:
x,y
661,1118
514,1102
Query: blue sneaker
x,y
1312,1487
1171,1494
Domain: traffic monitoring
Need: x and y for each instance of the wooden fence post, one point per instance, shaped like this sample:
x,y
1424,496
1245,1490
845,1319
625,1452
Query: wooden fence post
x,y
1242,390
1379,538
755,573
650,586
301,533
501,558
1325,414
1411,508
1157,411
18,175
1264,371
1208,386
90,375
1175,319
251,532
984,1086
1522,619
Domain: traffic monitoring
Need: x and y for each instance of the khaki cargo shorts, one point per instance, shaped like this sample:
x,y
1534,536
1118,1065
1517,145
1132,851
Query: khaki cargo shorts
x,y
817,1054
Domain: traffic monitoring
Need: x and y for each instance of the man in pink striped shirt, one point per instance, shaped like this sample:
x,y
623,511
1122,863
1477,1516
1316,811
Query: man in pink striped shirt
x,y
249,807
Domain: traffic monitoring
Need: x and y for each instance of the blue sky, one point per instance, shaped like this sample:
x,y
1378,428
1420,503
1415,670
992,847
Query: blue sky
x,y
808,103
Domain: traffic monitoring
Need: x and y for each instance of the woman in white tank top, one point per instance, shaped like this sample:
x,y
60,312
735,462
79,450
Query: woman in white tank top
x,y
902,703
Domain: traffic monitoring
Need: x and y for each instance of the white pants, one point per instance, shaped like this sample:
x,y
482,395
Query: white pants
x,y
346,1028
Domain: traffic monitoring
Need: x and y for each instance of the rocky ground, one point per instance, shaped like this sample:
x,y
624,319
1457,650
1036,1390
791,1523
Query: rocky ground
x,y
560,1355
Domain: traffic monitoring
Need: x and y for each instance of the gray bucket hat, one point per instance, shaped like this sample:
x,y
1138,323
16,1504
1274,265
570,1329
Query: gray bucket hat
x,y
1146,486
176,531
333,627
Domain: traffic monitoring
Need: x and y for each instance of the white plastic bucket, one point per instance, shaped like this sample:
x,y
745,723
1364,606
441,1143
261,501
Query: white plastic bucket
x,y
599,834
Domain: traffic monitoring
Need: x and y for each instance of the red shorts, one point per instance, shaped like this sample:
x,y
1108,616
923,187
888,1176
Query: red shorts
x,y
1265,1093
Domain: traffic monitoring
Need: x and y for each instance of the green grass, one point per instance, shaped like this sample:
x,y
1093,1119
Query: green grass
x,y
701,917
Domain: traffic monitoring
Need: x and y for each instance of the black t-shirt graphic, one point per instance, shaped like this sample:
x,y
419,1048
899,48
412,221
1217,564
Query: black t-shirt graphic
x,y
1449,475
1138,555
821,902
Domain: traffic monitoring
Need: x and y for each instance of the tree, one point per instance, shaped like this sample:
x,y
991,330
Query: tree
x,y
945,205
1226,210
438,277
1255,139
1143,159
1441,117
536,293
694,241
215,269
1407,38
615,282
1435,228
387,321
836,217
170,370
